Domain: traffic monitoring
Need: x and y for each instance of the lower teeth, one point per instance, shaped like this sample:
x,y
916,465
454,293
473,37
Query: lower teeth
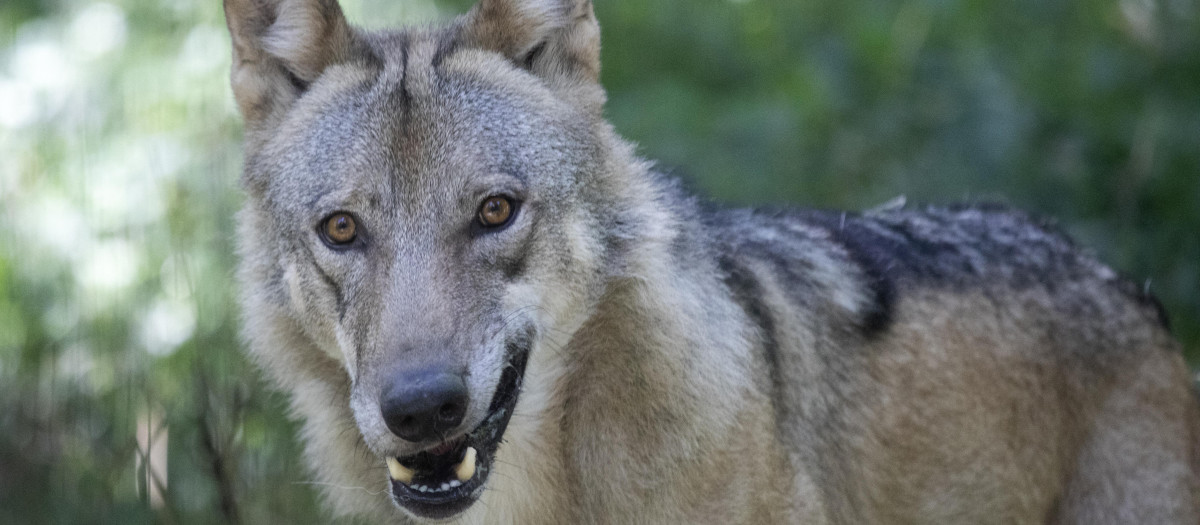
x,y
452,484
464,471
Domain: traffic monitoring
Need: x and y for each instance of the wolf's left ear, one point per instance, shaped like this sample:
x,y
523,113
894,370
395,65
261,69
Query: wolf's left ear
x,y
557,40
279,48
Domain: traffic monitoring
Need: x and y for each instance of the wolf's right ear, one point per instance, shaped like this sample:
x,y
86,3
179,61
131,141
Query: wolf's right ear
x,y
279,48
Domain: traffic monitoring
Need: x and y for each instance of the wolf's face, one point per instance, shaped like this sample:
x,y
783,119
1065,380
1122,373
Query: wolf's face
x,y
416,207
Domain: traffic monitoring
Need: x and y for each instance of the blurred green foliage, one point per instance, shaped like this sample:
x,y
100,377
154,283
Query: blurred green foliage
x,y
119,158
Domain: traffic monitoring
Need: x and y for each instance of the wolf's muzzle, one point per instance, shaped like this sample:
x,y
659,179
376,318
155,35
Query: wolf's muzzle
x,y
449,477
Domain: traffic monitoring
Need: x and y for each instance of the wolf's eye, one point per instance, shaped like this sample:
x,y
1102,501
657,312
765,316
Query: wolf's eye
x,y
340,229
495,211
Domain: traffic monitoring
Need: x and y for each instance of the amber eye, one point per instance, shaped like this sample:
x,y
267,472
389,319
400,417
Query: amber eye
x,y
340,229
495,211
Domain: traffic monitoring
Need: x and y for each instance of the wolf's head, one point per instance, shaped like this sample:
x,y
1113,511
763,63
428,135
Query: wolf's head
x,y
421,217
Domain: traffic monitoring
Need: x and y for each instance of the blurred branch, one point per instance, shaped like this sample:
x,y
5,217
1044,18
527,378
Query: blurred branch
x,y
167,511
218,466
149,471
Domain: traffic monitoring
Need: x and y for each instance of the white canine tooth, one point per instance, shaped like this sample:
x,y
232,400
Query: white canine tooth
x,y
465,469
454,483
444,487
399,472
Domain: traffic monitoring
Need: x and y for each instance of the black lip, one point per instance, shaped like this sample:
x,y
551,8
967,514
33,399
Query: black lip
x,y
485,438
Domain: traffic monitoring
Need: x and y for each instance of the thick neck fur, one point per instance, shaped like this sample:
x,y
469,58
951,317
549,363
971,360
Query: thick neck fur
x,y
643,415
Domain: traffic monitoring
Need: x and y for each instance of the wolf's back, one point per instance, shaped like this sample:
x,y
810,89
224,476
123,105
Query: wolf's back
x,y
908,348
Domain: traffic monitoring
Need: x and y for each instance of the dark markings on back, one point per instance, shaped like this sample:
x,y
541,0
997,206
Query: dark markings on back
x,y
785,251
985,248
957,245
748,292
875,267
966,246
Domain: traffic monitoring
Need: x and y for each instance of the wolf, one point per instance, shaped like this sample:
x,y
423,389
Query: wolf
x,y
486,308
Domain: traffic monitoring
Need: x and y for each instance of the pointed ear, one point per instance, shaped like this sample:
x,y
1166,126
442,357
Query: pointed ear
x,y
557,40
279,48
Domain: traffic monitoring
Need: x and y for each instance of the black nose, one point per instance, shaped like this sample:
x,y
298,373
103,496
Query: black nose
x,y
424,405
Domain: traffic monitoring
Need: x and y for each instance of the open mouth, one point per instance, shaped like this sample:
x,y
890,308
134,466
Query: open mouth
x,y
446,479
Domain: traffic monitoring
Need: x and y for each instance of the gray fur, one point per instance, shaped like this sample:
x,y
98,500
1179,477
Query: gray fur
x,y
685,364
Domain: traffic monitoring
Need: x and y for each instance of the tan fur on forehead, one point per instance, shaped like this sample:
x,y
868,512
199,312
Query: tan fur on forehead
x,y
482,65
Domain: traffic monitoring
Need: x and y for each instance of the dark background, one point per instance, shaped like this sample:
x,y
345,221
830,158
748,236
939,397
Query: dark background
x,y
119,158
